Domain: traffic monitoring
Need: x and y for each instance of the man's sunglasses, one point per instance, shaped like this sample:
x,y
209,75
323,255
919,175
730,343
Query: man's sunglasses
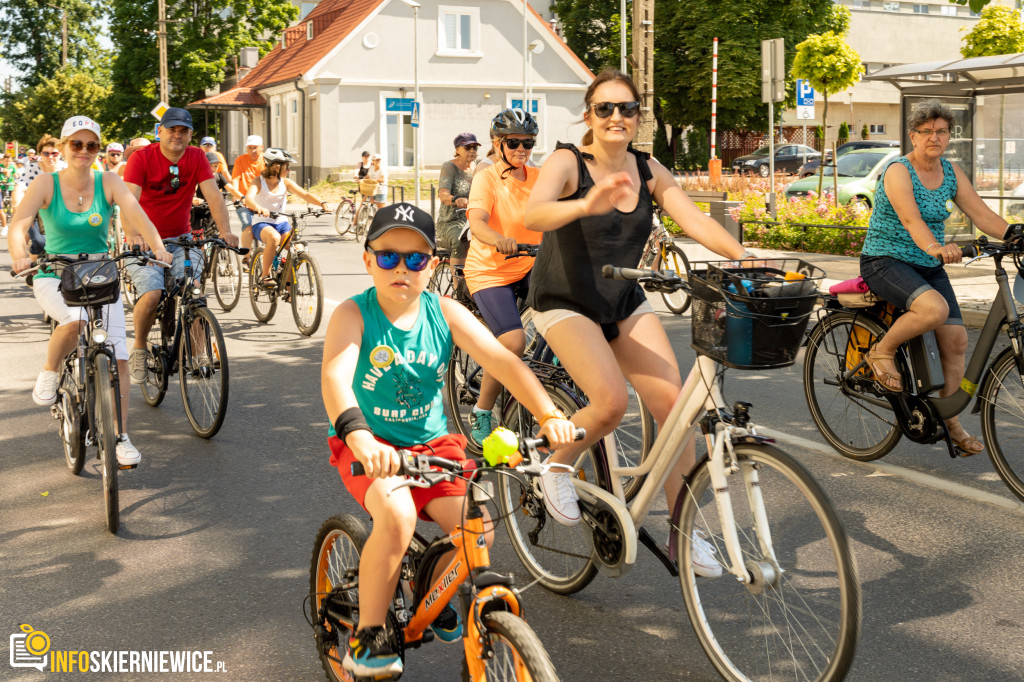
x,y
92,146
606,109
513,143
175,181
388,260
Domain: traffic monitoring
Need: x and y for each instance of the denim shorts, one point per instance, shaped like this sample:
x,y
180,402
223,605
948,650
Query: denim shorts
x,y
147,278
245,216
498,306
282,228
900,283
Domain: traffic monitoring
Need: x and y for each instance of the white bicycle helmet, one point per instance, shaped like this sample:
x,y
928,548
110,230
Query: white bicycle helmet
x,y
277,155
514,121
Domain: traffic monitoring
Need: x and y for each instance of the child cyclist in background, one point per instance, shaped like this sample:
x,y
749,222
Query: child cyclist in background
x,y
385,355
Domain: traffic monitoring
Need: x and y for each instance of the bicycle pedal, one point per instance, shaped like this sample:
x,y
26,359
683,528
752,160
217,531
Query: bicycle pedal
x,y
127,467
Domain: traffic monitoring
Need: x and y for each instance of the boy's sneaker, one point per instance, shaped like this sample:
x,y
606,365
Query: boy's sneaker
x,y
137,367
45,392
447,627
702,556
480,422
369,654
560,497
127,454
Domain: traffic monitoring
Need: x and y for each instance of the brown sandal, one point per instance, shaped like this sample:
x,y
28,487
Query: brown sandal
x,y
884,379
968,445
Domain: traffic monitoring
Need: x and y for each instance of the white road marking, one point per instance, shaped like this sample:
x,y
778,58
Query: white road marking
x,y
884,468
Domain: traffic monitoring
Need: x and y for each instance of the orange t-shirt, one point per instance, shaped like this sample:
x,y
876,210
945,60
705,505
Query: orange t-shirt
x,y
505,202
245,171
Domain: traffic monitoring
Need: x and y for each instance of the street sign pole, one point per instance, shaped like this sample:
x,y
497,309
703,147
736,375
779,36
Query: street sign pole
x,y
773,89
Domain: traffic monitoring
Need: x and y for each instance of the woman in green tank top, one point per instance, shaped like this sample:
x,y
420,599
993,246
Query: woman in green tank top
x,y
76,204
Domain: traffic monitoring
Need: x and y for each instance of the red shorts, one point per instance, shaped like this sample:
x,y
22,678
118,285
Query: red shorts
x,y
451,446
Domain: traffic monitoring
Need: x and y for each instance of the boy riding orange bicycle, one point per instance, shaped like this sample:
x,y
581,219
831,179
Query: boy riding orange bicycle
x,y
385,355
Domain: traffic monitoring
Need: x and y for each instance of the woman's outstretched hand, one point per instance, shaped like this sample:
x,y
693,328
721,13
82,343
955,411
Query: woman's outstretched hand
x,y
604,195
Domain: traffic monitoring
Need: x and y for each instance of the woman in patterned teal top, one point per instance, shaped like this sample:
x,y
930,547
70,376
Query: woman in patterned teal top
x,y
905,252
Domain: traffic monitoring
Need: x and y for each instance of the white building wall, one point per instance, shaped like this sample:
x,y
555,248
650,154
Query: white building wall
x,y
460,93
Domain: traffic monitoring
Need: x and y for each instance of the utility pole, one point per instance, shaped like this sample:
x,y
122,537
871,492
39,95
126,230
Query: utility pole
x,y
64,33
161,41
643,70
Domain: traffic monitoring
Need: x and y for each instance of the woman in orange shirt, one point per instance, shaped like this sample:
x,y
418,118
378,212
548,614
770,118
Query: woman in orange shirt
x,y
496,211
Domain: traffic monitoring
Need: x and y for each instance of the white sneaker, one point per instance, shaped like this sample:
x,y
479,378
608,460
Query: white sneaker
x,y
45,392
560,497
127,454
702,556
3,232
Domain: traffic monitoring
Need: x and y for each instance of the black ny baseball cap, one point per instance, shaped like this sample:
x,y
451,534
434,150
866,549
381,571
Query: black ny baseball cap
x,y
402,215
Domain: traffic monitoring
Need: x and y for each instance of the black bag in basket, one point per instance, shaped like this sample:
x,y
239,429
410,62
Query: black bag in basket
x,y
93,282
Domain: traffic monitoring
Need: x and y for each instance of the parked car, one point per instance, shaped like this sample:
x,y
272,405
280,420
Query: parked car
x,y
788,158
811,167
858,173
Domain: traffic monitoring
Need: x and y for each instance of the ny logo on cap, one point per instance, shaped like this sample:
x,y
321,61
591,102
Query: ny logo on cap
x,y
404,213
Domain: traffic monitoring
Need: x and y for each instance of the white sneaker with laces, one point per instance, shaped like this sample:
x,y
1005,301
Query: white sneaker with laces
x,y
3,232
45,392
702,556
560,497
127,454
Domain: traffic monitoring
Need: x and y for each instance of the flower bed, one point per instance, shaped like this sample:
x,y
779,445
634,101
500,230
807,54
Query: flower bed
x,y
803,224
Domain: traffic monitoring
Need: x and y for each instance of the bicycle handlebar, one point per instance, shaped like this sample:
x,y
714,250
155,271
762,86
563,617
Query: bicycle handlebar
x,y
187,240
412,464
53,259
652,280
524,250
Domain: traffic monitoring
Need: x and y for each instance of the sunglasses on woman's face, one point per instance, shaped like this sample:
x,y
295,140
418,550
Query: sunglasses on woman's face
x,y
389,260
92,146
513,143
51,155
626,109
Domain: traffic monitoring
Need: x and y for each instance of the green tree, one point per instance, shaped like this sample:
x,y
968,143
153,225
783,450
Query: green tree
x,y
998,32
975,5
202,39
31,34
591,30
44,108
685,30
830,65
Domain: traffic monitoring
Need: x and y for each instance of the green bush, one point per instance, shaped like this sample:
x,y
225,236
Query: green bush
x,y
791,235
698,151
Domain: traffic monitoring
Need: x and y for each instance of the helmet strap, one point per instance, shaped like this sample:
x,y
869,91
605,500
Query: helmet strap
x,y
509,166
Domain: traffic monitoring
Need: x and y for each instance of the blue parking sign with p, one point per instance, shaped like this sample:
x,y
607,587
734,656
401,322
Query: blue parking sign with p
x,y
804,93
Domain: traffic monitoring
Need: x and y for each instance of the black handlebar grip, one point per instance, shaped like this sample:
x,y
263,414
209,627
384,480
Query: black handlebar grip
x,y
242,251
969,251
612,272
357,469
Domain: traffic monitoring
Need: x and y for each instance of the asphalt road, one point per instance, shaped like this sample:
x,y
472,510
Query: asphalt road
x,y
216,537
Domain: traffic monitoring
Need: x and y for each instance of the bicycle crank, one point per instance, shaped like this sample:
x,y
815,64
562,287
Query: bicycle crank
x,y
613,533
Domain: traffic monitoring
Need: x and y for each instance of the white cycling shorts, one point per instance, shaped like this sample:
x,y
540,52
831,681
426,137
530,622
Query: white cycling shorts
x,y
47,293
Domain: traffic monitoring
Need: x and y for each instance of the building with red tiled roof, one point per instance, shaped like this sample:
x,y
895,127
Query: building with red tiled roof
x,y
342,81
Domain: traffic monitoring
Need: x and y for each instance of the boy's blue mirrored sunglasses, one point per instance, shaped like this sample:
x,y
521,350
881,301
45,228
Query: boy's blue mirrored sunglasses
x,y
388,260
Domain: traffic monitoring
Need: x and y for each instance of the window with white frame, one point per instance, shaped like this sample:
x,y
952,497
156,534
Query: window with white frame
x,y
920,9
458,31
877,129
890,7
947,10
860,4
293,124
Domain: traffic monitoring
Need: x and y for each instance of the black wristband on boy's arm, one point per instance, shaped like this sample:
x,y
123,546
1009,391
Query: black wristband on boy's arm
x,y
348,421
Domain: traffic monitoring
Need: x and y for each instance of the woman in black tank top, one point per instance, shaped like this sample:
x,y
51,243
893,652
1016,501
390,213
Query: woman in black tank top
x,y
594,205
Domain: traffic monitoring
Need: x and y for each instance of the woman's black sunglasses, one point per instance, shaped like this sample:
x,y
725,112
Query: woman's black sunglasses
x,y
627,109
513,143
388,260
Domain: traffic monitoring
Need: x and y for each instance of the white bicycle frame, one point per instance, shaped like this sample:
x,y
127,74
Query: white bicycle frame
x,y
702,392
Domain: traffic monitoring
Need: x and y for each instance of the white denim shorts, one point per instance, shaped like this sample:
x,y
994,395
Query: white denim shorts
x,y
47,293
544,321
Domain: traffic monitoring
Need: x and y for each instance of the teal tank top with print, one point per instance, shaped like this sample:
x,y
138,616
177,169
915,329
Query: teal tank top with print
x,y
886,234
73,233
399,374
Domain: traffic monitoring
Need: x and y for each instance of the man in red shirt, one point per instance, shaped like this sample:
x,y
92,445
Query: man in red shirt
x,y
247,168
164,177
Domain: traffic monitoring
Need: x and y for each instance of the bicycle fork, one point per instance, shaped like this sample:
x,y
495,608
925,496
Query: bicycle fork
x,y
723,463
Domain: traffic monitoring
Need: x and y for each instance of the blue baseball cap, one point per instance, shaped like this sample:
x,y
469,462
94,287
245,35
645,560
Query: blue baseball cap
x,y
207,140
176,116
